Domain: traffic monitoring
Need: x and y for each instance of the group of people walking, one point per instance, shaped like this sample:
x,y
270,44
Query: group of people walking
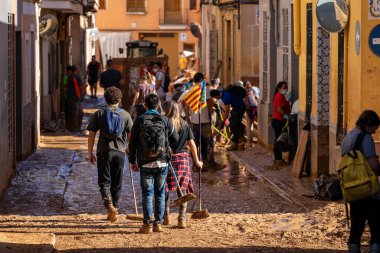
x,y
153,142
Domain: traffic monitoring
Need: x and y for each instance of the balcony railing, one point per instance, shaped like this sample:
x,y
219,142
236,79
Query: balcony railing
x,y
178,17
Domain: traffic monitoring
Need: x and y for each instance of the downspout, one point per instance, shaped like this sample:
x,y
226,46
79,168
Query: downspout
x,y
297,26
345,82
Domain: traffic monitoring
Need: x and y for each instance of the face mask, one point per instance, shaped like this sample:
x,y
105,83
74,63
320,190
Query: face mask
x,y
284,92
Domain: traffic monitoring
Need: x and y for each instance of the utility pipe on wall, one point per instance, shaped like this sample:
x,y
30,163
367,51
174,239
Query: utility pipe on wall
x,y
297,26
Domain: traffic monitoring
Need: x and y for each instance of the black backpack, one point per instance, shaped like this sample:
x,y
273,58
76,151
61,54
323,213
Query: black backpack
x,y
167,82
237,91
153,138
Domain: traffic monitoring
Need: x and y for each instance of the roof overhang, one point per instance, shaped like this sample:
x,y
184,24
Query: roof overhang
x,y
62,6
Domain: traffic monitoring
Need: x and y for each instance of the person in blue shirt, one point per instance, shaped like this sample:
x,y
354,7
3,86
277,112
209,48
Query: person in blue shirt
x,y
233,113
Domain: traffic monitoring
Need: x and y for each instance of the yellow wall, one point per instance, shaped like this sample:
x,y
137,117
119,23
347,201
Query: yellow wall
x,y
302,56
116,18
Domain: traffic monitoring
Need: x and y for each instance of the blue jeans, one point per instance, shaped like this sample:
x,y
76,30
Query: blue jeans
x,y
152,181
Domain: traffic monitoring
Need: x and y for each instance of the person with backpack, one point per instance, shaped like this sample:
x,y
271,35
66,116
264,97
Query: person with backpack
x,y
364,205
152,137
115,125
180,160
281,112
234,111
251,105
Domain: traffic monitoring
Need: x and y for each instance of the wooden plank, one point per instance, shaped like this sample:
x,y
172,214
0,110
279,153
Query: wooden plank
x,y
299,159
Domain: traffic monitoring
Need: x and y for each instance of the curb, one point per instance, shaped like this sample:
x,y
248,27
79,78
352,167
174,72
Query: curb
x,y
278,187
27,242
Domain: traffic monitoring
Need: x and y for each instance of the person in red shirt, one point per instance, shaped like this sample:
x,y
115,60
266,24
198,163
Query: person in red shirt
x,y
281,112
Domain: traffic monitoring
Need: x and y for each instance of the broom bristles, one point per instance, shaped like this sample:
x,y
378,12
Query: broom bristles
x,y
184,199
201,214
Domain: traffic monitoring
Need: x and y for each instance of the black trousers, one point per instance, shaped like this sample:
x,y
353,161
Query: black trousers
x,y
360,212
277,125
293,131
110,175
236,123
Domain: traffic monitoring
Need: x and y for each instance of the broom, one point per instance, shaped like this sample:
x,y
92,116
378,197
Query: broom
x,y
135,216
200,214
183,198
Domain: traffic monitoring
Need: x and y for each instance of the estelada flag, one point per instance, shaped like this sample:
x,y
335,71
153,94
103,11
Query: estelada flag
x,y
196,97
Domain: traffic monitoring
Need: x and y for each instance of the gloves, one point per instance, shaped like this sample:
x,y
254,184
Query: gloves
x,y
289,96
286,117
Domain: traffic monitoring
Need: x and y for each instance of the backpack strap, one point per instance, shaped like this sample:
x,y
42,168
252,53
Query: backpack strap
x,y
359,141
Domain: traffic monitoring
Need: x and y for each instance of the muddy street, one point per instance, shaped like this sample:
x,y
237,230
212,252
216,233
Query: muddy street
x,y
55,191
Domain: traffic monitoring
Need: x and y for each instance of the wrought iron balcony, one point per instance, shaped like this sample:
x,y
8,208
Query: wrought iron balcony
x,y
177,17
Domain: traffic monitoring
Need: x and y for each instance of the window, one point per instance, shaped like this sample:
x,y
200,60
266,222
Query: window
x,y
102,4
189,47
193,4
136,6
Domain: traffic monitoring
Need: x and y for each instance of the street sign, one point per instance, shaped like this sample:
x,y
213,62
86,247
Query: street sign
x,y
374,40
183,37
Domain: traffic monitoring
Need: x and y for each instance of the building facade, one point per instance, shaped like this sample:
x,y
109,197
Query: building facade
x,y
19,101
238,41
164,21
64,43
337,74
278,62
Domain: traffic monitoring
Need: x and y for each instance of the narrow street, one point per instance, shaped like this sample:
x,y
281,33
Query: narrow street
x,y
55,191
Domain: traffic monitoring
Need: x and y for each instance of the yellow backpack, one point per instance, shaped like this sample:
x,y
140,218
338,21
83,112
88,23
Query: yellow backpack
x,y
356,176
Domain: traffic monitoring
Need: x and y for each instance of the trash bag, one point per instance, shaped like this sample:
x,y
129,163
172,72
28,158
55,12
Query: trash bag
x,y
327,187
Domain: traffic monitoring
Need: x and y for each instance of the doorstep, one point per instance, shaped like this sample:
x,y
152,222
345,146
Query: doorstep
x,y
26,242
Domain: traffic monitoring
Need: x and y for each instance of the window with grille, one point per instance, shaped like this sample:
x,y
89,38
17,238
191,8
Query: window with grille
x,y
136,6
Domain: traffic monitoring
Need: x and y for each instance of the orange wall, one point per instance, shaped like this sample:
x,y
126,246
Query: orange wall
x,y
116,18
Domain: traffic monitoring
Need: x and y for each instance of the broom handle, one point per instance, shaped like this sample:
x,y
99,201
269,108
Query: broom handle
x,y
175,178
200,181
133,190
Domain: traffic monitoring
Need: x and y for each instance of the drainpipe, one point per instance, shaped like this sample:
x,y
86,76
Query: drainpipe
x,y
297,26
345,83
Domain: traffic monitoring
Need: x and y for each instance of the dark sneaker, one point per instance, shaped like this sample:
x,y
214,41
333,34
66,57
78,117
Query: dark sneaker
x,y
146,229
157,228
167,220
112,213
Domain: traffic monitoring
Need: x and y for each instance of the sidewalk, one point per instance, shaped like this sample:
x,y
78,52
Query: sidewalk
x,y
259,161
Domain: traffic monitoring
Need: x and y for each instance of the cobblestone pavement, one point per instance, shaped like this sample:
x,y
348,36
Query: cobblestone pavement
x,y
55,191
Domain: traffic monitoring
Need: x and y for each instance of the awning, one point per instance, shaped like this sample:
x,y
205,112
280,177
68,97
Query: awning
x,y
110,42
62,6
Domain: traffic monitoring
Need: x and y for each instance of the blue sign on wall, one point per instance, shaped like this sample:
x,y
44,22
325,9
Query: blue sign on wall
x,y
374,40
